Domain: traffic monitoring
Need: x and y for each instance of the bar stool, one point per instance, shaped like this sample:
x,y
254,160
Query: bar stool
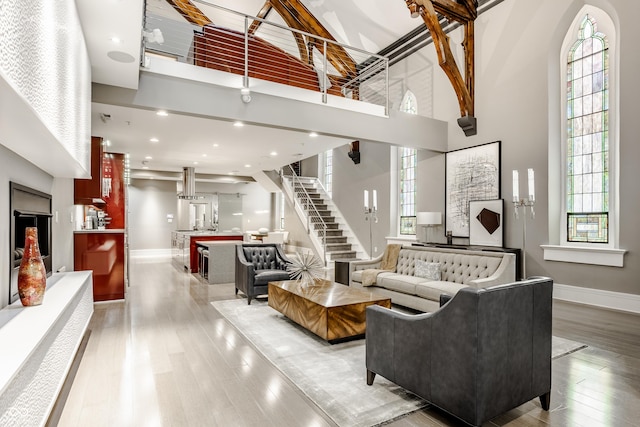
x,y
205,263
200,250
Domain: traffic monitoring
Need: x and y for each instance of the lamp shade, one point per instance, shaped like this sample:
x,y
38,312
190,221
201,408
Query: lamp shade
x,y
429,218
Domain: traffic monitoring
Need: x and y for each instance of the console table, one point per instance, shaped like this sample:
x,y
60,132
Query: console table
x,y
516,251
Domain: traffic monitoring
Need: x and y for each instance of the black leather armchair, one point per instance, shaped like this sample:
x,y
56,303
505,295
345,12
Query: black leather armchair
x,y
257,265
484,352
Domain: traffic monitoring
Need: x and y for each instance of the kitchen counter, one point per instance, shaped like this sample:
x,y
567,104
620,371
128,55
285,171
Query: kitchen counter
x,y
221,262
183,244
108,230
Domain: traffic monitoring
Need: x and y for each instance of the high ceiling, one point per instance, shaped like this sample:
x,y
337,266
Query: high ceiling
x,y
366,24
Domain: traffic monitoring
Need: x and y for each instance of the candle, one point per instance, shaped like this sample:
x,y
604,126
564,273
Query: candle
x,y
532,186
366,199
375,200
516,184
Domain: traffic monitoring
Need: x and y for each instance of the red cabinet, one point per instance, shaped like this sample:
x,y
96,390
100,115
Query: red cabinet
x,y
85,191
103,253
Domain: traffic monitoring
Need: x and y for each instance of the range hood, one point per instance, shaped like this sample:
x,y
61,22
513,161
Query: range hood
x,y
188,184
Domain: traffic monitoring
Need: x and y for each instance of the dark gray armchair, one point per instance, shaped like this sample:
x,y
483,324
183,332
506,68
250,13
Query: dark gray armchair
x,y
484,352
257,265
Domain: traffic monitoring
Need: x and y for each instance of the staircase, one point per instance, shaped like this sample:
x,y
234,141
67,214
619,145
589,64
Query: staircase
x,y
316,209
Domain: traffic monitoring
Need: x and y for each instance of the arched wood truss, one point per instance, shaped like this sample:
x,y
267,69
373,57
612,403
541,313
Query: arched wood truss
x,y
296,16
464,12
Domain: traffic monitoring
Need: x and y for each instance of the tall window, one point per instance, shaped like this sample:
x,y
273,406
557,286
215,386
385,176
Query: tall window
x,y
587,145
408,161
328,171
408,190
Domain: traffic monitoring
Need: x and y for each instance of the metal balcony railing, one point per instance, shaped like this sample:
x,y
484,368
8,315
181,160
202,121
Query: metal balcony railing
x,y
252,47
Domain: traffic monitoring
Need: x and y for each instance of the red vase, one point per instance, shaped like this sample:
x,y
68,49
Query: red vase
x,y
32,276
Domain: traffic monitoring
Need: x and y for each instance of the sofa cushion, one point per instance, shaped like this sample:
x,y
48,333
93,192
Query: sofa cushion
x,y
427,270
356,276
399,282
263,277
432,289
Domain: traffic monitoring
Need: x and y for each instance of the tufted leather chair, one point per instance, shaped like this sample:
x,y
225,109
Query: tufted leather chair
x,y
257,265
484,352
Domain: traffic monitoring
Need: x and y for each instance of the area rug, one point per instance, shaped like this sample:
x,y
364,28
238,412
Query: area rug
x,y
332,376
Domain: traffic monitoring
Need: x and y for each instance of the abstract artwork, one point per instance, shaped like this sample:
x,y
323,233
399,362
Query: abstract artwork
x,y
471,174
485,222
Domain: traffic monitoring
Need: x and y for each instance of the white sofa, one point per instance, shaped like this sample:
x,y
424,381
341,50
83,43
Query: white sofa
x,y
458,269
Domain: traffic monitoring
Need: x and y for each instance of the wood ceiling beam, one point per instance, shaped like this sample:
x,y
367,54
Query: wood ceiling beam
x,y
297,16
262,15
190,12
464,87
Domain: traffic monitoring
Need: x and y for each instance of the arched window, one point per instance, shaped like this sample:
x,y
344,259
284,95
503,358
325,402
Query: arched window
x,y
583,144
408,163
587,145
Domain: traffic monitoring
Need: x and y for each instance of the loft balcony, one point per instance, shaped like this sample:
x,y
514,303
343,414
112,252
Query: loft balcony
x,y
243,51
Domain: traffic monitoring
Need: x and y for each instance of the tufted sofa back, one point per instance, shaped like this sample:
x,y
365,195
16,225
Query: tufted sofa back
x,y
263,257
455,267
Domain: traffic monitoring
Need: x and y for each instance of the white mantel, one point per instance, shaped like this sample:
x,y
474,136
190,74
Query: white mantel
x,y
38,347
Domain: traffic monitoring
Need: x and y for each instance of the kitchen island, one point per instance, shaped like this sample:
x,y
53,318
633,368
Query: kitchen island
x,y
184,250
221,260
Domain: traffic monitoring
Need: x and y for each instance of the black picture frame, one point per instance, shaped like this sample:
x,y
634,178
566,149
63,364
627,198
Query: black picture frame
x,y
471,173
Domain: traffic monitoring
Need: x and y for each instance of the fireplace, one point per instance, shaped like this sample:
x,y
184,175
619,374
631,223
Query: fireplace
x,y
29,208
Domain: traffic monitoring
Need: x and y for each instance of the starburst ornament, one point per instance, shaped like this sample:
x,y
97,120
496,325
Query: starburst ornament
x,y
305,267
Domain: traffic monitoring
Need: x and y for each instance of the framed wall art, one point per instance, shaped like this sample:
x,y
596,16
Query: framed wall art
x,y
486,222
471,174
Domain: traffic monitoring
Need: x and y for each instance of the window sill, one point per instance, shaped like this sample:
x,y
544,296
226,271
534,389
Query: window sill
x,y
594,256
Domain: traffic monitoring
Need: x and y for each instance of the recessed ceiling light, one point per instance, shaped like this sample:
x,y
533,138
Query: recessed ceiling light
x,y
116,40
247,166
204,155
107,143
238,124
148,157
273,153
216,145
162,113
145,167
313,134
195,163
230,173
154,140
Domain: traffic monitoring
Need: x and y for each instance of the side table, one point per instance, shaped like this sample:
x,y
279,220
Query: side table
x,y
342,270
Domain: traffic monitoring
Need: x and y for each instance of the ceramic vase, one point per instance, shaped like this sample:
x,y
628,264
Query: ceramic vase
x,y
32,276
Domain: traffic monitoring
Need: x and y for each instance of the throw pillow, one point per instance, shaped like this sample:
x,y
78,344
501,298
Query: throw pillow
x,y
427,270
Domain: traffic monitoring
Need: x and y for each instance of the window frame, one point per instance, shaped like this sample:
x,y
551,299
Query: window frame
x,y
559,248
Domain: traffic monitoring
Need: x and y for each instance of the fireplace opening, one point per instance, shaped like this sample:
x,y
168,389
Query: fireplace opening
x,y
29,208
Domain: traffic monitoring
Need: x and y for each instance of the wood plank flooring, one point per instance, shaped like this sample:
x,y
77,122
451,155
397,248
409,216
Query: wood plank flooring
x,y
166,357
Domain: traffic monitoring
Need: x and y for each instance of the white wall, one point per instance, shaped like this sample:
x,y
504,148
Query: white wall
x,y
45,85
151,200
514,43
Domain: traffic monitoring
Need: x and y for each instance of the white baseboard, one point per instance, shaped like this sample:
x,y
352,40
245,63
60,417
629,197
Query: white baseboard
x,y
597,297
150,253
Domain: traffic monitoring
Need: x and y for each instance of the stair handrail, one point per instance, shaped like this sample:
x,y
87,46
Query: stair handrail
x,y
310,208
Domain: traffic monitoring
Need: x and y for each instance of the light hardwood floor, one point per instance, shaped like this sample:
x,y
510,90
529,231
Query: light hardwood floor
x,y
166,357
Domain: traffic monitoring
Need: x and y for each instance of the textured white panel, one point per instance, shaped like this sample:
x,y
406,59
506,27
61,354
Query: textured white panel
x,y
43,57
29,396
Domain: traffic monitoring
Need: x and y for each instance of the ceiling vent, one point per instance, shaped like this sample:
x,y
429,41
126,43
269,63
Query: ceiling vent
x,y
188,184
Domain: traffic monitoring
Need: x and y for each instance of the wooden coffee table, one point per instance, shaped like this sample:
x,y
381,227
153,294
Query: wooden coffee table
x,y
330,310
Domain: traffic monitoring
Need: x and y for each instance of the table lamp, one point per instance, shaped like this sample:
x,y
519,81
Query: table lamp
x,y
429,220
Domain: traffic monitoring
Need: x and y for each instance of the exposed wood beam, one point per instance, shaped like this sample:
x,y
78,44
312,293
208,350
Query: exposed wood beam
x,y
262,15
297,16
464,87
190,12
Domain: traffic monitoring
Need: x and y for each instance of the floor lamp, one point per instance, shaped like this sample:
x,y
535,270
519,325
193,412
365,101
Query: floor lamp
x,y
524,204
371,215
428,220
